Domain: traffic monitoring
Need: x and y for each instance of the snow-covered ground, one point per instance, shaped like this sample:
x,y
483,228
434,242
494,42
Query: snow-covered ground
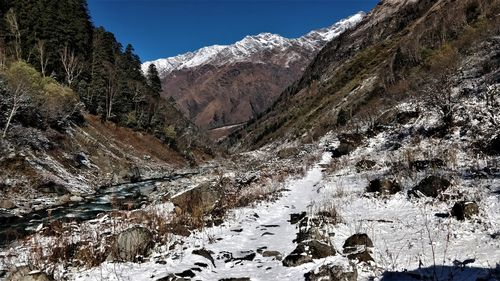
x,y
247,229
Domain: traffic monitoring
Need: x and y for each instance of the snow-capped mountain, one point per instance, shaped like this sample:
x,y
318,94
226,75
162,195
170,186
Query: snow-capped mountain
x,y
218,86
248,47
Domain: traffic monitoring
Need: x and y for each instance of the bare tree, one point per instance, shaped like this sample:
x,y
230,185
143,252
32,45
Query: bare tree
x,y
42,56
112,90
11,19
71,64
18,97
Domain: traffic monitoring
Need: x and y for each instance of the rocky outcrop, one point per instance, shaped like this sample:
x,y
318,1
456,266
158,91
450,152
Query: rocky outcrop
x,y
27,273
333,272
312,243
348,143
131,243
199,200
431,186
384,186
358,247
465,210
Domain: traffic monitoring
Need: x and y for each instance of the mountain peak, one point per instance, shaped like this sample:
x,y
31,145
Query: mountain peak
x,y
247,48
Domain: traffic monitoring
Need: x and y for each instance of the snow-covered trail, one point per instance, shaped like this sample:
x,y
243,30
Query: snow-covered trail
x,y
247,230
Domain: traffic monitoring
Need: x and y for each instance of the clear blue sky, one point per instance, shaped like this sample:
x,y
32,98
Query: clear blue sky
x,y
164,28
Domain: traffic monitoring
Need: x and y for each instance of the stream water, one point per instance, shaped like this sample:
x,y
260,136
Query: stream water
x,y
105,200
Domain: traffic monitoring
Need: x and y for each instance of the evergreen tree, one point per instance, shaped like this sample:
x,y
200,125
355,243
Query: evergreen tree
x,y
154,81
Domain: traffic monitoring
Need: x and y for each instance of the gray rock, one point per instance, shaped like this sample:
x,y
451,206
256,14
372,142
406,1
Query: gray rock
x,y
348,143
431,186
358,239
335,272
356,247
7,204
308,251
295,218
27,273
133,242
206,254
384,186
199,200
275,254
464,210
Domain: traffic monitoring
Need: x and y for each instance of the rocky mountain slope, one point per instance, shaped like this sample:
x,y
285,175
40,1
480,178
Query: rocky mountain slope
x,y
226,85
400,49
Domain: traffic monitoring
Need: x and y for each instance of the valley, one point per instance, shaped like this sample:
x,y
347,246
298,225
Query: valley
x,y
367,150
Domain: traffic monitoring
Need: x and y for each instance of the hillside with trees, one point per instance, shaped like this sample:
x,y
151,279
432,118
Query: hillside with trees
x,y
59,40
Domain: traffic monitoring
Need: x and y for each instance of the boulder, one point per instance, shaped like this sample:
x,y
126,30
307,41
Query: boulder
x,y
27,273
52,187
464,210
364,165
275,254
333,272
310,233
308,251
431,186
384,186
493,146
197,201
288,152
81,160
358,239
186,274
361,256
133,242
295,218
7,204
206,254
348,143
356,247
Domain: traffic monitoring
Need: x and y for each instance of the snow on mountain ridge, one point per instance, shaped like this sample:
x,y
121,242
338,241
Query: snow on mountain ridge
x,y
245,49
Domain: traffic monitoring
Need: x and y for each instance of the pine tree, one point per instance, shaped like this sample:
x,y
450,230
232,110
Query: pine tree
x,y
154,81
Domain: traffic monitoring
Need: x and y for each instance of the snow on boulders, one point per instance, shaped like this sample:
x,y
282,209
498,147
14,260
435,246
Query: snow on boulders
x,y
131,243
312,244
308,251
295,218
199,200
333,272
384,186
431,186
464,210
26,273
348,143
206,254
357,247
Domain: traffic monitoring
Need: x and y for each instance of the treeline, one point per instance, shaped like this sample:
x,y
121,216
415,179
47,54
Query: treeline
x,y
58,39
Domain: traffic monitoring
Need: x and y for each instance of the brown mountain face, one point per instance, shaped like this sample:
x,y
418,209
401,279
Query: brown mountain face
x,y
398,49
222,86
215,96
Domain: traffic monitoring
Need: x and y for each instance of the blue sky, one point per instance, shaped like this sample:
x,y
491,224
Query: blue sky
x,y
164,28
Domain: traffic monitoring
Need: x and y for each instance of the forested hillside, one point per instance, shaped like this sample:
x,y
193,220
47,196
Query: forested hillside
x,y
59,40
